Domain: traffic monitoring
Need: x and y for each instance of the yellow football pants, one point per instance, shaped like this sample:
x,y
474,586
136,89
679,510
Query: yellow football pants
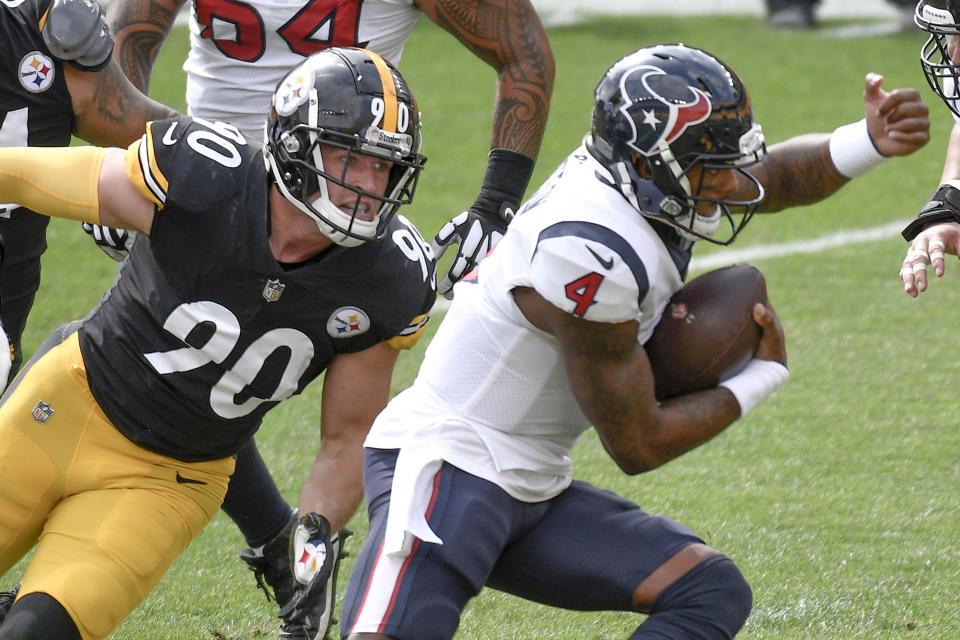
x,y
108,518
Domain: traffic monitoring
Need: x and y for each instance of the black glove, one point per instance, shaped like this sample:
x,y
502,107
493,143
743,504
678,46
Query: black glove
x,y
315,555
478,229
943,206
116,243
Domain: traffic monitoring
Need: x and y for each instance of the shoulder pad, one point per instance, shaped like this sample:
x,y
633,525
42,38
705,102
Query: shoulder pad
x,y
76,31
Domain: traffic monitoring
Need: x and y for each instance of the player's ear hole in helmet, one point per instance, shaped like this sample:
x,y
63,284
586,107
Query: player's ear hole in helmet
x,y
941,19
355,100
666,113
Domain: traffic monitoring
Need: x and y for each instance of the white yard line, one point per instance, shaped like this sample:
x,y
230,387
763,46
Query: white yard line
x,y
562,12
814,245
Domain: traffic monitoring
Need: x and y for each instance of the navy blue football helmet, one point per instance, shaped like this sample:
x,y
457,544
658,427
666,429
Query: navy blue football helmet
x,y
659,112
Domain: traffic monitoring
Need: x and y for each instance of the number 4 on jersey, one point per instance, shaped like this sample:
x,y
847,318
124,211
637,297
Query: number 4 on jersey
x,y
582,291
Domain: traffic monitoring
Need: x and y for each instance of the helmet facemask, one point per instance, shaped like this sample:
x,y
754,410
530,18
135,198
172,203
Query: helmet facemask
x,y
293,153
940,20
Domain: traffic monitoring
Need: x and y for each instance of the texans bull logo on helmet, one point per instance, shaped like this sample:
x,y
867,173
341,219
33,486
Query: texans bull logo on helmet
x,y
663,106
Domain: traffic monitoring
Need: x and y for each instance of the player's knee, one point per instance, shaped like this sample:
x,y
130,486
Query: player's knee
x,y
712,600
37,616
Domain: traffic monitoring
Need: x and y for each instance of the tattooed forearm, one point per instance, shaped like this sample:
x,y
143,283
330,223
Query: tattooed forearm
x,y
507,35
798,171
139,30
109,110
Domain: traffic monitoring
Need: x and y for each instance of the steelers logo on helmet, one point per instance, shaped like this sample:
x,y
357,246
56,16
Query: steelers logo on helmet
x,y
664,117
293,91
37,72
352,100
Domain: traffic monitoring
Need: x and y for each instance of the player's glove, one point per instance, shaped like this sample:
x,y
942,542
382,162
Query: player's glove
x,y
315,555
943,206
116,243
478,229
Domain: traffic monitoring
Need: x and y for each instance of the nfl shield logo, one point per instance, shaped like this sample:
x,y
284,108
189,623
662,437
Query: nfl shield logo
x,y
272,290
42,412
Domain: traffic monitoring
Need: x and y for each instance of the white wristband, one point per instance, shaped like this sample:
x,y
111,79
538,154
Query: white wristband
x,y
852,150
756,382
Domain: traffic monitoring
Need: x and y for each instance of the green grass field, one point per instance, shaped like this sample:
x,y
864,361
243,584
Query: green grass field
x,y
838,497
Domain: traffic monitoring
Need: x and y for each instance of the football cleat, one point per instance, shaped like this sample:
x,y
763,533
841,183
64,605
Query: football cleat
x,y
315,557
6,601
271,565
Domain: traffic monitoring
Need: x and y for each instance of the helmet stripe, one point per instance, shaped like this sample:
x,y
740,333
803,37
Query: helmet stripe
x,y
390,105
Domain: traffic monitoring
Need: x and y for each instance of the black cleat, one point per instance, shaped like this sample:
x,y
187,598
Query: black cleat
x,y
6,600
271,565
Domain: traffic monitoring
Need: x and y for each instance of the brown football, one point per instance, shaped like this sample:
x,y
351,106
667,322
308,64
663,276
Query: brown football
x,y
707,332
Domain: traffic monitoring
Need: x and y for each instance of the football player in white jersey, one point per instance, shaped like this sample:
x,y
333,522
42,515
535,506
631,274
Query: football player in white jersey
x,y
936,230
237,53
467,473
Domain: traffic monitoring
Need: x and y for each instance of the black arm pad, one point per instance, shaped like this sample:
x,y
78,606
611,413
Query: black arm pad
x,y
504,183
943,206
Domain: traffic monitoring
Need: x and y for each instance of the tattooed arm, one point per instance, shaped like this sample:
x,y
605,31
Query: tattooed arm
x,y
611,379
801,170
109,110
139,29
798,171
507,35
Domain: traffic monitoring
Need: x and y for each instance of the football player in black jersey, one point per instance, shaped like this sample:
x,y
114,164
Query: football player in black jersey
x,y
117,441
227,68
56,79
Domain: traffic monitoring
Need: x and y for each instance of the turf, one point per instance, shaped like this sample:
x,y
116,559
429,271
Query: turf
x,y
838,497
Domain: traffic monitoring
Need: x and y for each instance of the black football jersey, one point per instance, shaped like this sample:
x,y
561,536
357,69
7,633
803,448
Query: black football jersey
x,y
203,331
36,111
35,106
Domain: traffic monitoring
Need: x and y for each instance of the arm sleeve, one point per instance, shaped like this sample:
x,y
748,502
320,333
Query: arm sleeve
x,y
54,181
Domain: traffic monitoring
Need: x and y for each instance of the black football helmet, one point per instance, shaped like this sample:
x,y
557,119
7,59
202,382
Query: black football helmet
x,y
353,99
660,111
941,19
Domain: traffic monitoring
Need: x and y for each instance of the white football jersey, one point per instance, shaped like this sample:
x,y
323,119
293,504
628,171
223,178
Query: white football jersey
x,y
492,395
240,51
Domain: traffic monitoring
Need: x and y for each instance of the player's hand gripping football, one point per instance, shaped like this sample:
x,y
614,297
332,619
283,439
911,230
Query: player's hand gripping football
x,y
772,344
116,243
897,120
929,248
